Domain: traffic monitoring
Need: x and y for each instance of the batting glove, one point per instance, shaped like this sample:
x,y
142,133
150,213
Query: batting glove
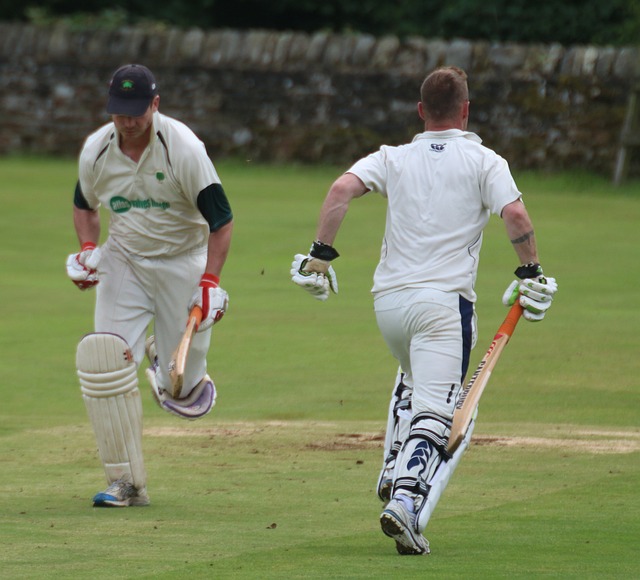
x,y
82,267
212,299
534,291
314,272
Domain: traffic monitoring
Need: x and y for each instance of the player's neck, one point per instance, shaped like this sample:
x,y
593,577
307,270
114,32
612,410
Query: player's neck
x,y
445,126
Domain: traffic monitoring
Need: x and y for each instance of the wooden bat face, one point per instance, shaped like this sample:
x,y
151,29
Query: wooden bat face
x,y
470,395
178,361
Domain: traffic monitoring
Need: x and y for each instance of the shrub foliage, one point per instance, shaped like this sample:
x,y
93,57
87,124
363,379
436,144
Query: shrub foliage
x,y
615,22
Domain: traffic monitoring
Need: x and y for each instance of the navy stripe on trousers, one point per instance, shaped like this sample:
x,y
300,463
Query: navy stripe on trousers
x,y
466,317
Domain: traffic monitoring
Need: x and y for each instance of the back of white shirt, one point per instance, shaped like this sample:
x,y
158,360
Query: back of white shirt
x,y
441,189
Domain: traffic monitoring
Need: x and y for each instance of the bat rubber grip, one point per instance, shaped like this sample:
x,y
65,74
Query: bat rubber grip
x,y
196,312
509,324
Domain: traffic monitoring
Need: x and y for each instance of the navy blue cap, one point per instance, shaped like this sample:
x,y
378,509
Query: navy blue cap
x,y
131,91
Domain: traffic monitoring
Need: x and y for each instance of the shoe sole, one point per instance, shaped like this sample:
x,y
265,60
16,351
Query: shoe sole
x,y
108,501
395,529
103,500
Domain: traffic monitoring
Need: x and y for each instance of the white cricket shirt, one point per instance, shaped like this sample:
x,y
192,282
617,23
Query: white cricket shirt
x,y
441,189
153,203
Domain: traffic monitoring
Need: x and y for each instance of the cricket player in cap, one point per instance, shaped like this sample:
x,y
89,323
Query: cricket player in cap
x,y
169,235
440,190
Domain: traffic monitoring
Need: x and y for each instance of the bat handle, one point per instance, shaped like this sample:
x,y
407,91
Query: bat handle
x,y
509,324
196,313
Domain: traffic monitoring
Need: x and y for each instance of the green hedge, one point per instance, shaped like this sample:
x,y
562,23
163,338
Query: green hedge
x,y
615,22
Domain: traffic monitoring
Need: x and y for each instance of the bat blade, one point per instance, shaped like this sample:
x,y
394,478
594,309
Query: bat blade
x,y
472,392
178,361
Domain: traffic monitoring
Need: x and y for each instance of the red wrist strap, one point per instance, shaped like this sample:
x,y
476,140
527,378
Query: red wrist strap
x,y
210,280
88,246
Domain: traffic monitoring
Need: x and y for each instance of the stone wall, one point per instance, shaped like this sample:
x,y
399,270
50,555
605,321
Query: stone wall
x,y
315,97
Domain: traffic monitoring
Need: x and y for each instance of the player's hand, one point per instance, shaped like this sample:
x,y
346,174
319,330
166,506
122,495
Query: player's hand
x,y
82,267
314,275
212,299
535,295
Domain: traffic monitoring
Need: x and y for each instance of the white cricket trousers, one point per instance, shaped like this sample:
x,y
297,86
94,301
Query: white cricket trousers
x,y
134,290
431,334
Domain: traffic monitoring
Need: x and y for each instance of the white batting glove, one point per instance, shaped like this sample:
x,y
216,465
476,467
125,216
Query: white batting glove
x,y
535,294
82,267
212,299
314,275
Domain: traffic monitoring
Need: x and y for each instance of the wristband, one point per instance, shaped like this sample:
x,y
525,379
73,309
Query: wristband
x,y
323,251
530,270
210,280
87,246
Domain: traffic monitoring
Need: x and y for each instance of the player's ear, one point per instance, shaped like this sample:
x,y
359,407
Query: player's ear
x,y
421,111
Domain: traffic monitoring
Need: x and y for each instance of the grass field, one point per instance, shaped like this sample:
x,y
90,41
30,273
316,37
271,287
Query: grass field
x,y
278,482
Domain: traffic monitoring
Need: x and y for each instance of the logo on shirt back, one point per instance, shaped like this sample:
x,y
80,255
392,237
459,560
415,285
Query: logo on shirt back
x,y
438,147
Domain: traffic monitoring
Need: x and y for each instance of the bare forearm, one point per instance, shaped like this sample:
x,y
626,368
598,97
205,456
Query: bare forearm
x,y
336,205
331,217
87,225
520,232
218,249
524,243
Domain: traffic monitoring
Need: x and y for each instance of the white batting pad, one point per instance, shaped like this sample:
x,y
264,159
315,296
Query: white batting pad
x,y
194,406
398,425
109,386
440,480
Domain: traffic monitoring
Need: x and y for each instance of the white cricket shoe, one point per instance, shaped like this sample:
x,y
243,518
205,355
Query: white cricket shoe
x,y
121,493
399,523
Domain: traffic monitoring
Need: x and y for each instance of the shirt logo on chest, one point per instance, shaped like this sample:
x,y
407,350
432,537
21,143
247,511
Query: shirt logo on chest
x,y
121,204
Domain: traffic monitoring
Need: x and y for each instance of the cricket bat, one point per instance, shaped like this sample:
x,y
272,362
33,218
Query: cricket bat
x,y
179,358
471,394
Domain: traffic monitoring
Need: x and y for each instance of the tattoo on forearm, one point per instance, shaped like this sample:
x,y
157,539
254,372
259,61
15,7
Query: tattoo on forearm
x,y
523,238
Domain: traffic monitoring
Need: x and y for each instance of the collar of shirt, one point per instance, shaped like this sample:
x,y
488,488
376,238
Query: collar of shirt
x,y
155,128
448,134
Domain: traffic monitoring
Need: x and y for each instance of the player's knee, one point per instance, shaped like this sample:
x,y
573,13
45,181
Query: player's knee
x,y
431,427
105,365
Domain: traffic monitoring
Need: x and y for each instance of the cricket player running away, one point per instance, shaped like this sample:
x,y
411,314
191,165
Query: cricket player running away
x,y
441,190
169,236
